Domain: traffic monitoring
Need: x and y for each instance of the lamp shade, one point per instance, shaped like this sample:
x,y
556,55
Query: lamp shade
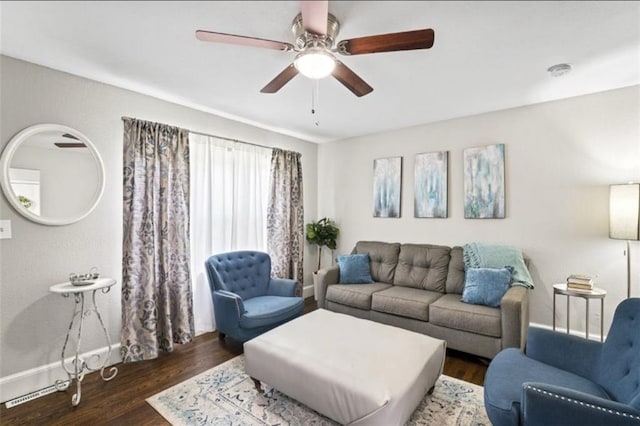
x,y
624,211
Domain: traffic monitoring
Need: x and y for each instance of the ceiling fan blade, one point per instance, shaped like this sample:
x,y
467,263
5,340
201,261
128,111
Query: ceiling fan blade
x,y
242,40
281,79
70,144
314,16
351,80
408,40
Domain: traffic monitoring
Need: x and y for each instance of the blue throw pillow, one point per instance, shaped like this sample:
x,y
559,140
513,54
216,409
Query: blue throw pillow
x,y
354,269
486,286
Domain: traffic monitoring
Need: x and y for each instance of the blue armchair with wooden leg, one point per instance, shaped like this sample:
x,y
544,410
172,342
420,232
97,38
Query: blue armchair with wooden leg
x,y
567,380
246,300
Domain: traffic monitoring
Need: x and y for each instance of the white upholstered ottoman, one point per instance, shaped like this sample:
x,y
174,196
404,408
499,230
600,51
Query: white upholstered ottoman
x,y
354,371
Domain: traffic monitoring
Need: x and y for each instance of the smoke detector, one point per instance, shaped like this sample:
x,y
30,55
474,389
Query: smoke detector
x,y
559,70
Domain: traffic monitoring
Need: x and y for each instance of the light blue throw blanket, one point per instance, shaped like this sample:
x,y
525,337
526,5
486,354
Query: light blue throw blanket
x,y
480,255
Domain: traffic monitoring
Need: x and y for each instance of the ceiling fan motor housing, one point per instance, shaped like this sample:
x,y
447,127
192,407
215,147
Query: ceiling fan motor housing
x,y
305,39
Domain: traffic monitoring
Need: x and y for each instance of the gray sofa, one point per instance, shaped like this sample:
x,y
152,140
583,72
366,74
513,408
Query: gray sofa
x,y
418,287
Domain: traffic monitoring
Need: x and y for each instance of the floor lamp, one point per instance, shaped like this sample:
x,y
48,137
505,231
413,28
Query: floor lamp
x,y
624,218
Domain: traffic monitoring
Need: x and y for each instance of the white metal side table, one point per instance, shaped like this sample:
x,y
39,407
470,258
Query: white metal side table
x,y
595,293
78,367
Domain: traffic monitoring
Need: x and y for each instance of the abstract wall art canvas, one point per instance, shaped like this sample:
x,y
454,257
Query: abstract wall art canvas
x,y
484,183
387,185
430,184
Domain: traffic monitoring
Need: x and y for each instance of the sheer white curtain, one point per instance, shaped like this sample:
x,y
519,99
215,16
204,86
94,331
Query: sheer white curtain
x,y
229,196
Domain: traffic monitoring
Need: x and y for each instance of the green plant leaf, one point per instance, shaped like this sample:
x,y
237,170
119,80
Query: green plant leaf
x,y
25,201
322,233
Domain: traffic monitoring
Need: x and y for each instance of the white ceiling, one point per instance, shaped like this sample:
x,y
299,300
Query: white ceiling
x,y
487,56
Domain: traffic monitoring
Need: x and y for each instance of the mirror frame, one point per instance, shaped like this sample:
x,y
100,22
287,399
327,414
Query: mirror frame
x,y
5,163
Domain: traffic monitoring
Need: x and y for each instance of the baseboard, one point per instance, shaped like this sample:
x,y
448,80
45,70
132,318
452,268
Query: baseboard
x,y
307,291
592,336
38,378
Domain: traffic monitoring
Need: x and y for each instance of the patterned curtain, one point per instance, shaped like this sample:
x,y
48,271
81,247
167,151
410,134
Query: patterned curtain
x,y
157,306
285,215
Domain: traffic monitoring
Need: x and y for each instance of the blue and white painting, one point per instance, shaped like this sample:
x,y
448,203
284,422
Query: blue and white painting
x,y
484,182
430,184
387,184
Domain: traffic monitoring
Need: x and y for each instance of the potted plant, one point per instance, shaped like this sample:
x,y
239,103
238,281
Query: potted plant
x,y
322,233
25,201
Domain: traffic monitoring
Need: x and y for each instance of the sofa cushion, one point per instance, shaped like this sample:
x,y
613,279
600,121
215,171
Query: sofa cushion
x,y
383,258
354,269
355,295
455,276
266,310
449,311
405,302
422,266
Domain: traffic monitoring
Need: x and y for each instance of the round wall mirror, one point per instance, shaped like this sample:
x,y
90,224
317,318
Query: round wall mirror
x,y
52,174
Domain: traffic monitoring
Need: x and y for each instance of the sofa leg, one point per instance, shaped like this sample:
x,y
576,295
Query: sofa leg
x,y
258,385
221,336
484,361
431,390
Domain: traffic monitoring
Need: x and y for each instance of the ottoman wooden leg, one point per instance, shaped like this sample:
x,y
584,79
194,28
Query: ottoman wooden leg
x,y
258,385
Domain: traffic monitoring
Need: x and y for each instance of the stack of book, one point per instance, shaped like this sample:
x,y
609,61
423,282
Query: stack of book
x,y
580,282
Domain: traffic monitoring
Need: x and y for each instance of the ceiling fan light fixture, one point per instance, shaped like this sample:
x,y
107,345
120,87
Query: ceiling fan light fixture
x,y
315,63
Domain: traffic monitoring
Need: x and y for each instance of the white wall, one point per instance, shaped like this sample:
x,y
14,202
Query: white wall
x,y
560,158
33,322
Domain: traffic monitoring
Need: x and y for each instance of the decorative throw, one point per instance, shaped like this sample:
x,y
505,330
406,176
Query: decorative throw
x,y
481,255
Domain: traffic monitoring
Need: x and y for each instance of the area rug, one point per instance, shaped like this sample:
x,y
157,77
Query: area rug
x,y
225,395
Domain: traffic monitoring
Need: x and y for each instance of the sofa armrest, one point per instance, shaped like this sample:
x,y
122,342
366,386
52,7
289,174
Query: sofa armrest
x,y
282,287
544,404
325,278
228,308
552,347
514,317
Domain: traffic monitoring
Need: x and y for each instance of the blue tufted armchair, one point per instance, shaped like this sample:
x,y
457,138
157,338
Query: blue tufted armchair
x,y
246,300
567,380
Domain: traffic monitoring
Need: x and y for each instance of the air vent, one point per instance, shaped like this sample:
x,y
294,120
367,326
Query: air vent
x,y
33,395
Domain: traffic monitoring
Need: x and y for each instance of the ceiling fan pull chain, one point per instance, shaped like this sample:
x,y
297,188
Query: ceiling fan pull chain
x,y
314,99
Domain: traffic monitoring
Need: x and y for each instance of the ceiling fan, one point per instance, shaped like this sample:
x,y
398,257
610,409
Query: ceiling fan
x,y
77,144
315,31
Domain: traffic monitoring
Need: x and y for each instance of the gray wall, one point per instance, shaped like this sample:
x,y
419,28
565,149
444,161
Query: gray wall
x,y
33,322
560,158
68,178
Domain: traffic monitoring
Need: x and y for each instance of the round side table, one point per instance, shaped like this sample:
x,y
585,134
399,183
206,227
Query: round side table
x,y
78,367
595,293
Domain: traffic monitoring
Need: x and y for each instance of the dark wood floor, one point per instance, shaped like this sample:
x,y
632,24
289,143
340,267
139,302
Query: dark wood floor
x,y
122,401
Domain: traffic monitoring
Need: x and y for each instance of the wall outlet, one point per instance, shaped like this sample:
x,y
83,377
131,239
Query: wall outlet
x,y
5,229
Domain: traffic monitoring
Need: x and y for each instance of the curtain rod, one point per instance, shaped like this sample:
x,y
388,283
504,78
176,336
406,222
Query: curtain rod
x,y
213,136
229,139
